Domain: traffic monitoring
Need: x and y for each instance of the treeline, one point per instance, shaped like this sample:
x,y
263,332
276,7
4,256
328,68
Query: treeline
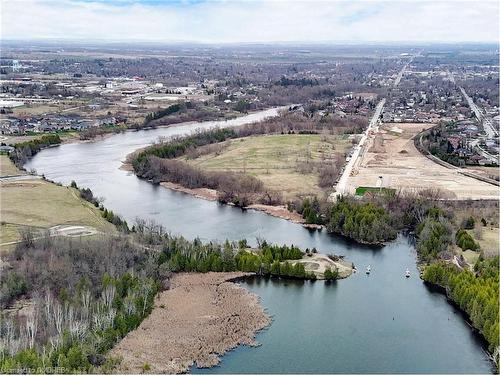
x,y
182,112
475,293
377,219
286,123
164,112
98,131
236,188
266,260
25,150
180,145
301,82
232,187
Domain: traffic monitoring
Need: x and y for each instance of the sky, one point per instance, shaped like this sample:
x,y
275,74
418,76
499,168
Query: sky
x,y
251,21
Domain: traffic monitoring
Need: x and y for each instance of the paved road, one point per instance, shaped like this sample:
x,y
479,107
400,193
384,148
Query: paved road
x,y
491,132
341,187
20,177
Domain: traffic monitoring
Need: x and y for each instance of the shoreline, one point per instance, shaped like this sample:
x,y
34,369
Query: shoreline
x,y
280,212
194,323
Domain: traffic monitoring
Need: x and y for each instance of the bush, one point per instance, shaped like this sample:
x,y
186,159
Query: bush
x,y
465,241
469,223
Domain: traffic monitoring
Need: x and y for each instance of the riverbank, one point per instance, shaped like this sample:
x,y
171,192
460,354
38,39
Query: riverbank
x,y
211,195
199,319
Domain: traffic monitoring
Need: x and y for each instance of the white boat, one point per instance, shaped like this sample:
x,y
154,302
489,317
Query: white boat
x,y
407,273
368,269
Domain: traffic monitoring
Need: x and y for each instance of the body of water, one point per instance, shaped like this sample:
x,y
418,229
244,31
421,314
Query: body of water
x,y
382,322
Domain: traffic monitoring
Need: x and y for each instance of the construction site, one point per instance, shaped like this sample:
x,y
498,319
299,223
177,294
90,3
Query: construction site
x,y
389,159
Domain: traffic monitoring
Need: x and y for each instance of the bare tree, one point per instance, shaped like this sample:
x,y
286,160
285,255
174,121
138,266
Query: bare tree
x,y
31,326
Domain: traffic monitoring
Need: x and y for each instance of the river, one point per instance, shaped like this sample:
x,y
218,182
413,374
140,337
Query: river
x,y
374,323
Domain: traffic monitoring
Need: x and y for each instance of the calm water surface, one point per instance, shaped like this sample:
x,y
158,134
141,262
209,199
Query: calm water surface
x,y
364,324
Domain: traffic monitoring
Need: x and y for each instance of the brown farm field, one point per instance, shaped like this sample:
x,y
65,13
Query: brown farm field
x,y
392,155
282,162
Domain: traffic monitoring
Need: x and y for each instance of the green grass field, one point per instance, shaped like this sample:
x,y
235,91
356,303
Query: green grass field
x,y
42,204
275,159
361,190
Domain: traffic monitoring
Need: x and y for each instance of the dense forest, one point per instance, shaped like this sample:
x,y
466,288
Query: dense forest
x,y
81,296
364,222
476,293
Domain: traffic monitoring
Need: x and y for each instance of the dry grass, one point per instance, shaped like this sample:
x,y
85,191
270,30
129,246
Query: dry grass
x,y
490,241
36,109
275,159
43,204
7,168
489,172
199,318
471,257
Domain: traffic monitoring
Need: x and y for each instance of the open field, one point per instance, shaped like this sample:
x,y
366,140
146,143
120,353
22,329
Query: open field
x,y
42,204
392,155
35,110
279,161
488,172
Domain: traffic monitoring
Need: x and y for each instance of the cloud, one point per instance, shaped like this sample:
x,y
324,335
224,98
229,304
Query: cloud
x,y
251,21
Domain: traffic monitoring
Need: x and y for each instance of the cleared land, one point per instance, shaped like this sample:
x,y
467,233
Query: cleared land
x,y
282,162
200,318
392,155
318,263
488,172
42,204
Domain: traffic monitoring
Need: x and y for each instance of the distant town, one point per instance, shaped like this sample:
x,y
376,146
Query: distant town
x,y
41,93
